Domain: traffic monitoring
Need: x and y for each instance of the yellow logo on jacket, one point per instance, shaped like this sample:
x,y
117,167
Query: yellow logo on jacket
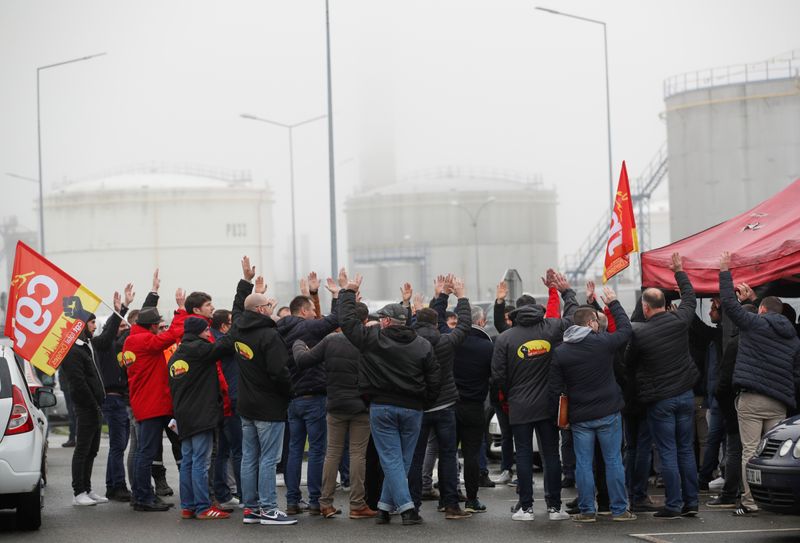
x,y
244,350
128,358
178,369
534,348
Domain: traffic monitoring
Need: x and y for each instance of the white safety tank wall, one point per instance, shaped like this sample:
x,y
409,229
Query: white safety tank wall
x,y
730,147
196,239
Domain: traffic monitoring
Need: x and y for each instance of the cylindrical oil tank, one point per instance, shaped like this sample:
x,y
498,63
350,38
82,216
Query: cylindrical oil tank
x,y
191,223
734,140
434,223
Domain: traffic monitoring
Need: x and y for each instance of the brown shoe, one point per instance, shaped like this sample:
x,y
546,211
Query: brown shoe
x,y
455,513
363,512
328,511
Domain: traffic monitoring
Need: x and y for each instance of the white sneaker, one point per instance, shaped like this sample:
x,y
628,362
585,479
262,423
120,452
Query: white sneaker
x,y
279,480
557,514
504,478
97,497
83,499
233,502
716,484
524,514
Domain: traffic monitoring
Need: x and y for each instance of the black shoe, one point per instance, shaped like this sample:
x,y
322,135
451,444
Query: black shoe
x,y
68,443
689,511
151,507
568,482
485,481
702,486
411,516
118,494
162,488
643,508
159,501
383,517
667,514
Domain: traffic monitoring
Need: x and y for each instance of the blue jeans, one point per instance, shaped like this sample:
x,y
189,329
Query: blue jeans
x,y
507,442
307,418
150,436
262,444
443,423
395,431
195,459
547,434
608,431
116,414
714,440
230,446
638,457
672,426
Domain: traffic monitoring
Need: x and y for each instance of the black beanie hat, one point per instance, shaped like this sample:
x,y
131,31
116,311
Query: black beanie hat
x,y
195,326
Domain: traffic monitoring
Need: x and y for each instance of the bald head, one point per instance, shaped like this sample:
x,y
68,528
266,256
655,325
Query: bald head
x,y
653,302
254,301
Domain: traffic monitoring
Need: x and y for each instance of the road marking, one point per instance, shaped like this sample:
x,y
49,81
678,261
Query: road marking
x,y
653,538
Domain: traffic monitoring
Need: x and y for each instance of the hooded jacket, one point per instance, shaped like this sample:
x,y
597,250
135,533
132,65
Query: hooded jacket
x,y
264,383
521,359
445,345
657,360
111,369
193,382
82,374
768,361
583,368
398,367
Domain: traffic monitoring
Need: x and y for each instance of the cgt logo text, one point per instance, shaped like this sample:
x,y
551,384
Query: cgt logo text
x,y
532,349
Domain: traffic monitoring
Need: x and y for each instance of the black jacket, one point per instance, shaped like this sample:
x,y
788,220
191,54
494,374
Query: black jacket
x,y
193,382
444,345
473,366
768,361
583,368
310,331
658,358
112,372
82,375
703,341
521,359
398,367
341,362
264,383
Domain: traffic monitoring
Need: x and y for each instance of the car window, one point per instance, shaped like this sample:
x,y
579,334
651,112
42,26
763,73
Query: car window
x,y
5,379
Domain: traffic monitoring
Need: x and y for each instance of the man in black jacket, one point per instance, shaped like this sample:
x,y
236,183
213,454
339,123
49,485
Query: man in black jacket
x,y
197,407
264,391
440,417
400,375
583,369
767,371
520,369
86,384
658,362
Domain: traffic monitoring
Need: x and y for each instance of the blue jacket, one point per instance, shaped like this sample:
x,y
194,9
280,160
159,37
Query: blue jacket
x,y
768,361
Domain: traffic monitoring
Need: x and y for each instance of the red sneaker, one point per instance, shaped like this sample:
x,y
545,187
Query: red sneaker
x,y
212,513
187,514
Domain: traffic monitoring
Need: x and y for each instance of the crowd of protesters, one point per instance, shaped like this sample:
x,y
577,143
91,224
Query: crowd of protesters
x,y
377,398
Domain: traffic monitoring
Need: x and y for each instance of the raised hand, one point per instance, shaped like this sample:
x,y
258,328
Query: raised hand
x,y
248,271
342,278
313,283
448,283
458,287
271,304
129,294
355,283
438,285
560,282
406,291
304,287
332,287
725,261
180,298
419,301
117,301
744,293
549,278
502,291
608,295
590,297
156,282
261,285
677,264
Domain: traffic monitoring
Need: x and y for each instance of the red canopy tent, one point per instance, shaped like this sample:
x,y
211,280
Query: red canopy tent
x,y
764,244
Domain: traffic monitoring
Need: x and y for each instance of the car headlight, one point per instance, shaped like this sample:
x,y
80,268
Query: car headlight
x,y
761,445
786,446
796,451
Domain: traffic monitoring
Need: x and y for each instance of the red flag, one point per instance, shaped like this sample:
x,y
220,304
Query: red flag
x,y
46,309
623,239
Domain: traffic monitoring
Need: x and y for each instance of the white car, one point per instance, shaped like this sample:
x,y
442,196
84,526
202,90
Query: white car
x,y
23,439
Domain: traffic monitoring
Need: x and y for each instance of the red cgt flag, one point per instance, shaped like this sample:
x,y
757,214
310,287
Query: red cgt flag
x,y
623,239
46,309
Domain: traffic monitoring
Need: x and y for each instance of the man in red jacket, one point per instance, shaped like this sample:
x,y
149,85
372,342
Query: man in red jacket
x,y
151,402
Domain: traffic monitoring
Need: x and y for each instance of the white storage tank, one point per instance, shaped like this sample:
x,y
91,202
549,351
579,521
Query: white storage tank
x,y
193,223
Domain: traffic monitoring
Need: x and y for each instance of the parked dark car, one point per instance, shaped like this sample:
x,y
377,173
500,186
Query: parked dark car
x,y
774,473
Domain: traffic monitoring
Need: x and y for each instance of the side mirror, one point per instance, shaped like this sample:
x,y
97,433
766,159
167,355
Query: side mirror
x,y
45,398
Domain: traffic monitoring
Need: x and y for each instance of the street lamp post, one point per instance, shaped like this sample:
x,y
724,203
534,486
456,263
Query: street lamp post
x,y
290,128
608,96
331,166
474,222
39,139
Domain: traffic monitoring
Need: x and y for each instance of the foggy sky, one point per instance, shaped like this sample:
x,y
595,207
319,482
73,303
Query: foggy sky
x,y
466,83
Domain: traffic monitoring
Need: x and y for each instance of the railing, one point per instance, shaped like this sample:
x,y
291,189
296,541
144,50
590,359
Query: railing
x,y
781,67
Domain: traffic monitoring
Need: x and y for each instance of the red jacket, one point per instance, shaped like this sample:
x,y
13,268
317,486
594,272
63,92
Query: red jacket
x,y
148,381
223,384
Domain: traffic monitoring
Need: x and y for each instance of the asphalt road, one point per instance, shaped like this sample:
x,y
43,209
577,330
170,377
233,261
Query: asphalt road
x,y
116,522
